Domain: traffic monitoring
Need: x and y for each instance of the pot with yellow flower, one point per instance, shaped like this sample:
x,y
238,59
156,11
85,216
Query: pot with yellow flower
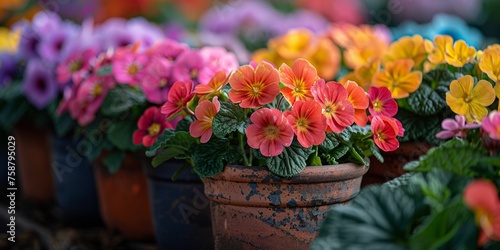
x,y
431,81
274,158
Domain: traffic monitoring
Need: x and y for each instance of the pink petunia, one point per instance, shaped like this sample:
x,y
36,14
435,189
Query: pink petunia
x,y
179,95
270,132
205,113
151,124
455,127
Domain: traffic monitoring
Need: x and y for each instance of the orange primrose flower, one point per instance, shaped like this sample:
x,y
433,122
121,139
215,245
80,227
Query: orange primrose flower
x,y
438,49
398,79
213,88
332,97
481,196
254,87
298,80
489,62
466,99
204,113
359,100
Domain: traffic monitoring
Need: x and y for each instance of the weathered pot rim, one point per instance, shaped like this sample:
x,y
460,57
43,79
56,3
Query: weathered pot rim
x,y
311,174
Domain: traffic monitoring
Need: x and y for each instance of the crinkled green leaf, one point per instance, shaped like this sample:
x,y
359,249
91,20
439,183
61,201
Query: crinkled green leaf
x,y
376,153
339,151
184,124
113,161
330,142
177,146
380,217
211,157
425,101
230,118
160,142
165,155
456,156
121,99
290,162
420,128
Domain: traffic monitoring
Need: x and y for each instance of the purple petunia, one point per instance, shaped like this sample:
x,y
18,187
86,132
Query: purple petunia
x,y
39,85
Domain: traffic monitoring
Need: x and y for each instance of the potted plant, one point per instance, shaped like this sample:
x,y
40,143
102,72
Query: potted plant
x,y
275,148
449,200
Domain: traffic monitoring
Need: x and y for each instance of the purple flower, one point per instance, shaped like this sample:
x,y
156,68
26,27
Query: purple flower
x,y
28,41
455,127
39,84
7,68
53,43
187,66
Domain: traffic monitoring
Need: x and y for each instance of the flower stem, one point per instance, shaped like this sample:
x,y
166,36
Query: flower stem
x,y
279,103
187,110
242,148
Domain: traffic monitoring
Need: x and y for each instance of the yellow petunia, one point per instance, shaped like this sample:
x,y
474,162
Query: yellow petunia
x,y
438,49
459,54
8,40
489,62
398,79
466,99
406,48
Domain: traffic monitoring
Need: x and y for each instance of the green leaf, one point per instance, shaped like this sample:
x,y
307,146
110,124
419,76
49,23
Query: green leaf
x,y
441,227
166,155
113,161
376,153
160,142
314,160
420,128
184,124
339,151
229,119
11,92
426,101
456,156
290,162
330,142
380,217
120,135
177,146
121,99
12,112
211,157
63,124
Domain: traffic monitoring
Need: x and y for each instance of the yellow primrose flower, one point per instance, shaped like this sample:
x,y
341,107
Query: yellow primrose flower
x,y
406,48
326,58
398,79
497,93
294,44
8,40
363,75
489,62
459,54
466,99
437,52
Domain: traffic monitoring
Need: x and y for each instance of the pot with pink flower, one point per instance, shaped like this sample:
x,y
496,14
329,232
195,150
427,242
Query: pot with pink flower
x,y
276,148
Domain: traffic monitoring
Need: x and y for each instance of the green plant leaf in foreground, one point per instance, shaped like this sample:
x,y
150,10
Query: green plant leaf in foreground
x,y
211,157
177,146
230,118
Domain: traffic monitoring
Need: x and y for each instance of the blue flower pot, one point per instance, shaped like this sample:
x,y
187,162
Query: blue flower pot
x,y
76,196
181,212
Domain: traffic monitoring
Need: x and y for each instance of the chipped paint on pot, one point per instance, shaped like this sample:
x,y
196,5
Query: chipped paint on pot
x,y
252,208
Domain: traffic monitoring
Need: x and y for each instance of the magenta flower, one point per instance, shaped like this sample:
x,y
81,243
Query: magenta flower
x,y
89,98
187,66
455,127
178,97
151,124
128,67
39,85
76,67
157,80
168,49
491,125
216,59
381,102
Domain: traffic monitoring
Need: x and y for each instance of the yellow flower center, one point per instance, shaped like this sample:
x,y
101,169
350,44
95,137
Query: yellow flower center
x,y
302,124
194,73
97,90
485,221
133,69
377,105
154,129
163,83
75,65
271,132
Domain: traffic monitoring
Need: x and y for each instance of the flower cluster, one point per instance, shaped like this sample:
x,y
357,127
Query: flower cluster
x,y
260,112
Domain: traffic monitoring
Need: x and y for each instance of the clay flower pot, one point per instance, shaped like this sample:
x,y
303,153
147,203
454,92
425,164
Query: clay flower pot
x,y
252,208
33,158
124,199
393,162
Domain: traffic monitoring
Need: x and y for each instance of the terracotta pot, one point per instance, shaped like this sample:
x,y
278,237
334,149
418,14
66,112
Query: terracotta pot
x,y
252,208
393,162
76,195
33,158
124,199
181,211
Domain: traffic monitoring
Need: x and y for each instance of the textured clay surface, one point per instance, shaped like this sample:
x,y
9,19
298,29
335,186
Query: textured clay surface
x,y
253,209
